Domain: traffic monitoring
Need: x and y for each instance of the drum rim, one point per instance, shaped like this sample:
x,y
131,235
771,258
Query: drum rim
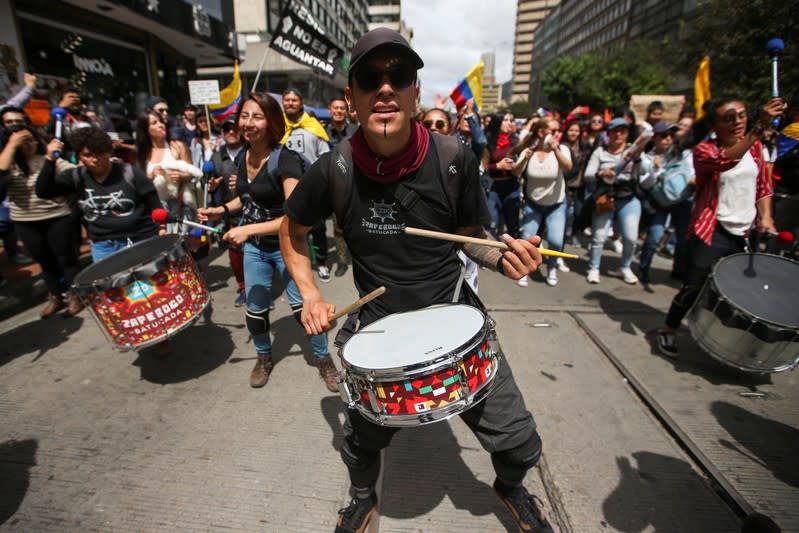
x,y
81,285
393,373
755,370
421,368
712,278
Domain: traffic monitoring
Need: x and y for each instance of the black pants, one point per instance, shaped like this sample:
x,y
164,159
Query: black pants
x,y
51,244
500,422
701,259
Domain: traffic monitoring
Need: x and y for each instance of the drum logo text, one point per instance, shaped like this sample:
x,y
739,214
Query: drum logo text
x,y
167,311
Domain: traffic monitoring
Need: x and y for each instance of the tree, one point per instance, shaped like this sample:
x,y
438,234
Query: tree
x,y
520,108
734,34
607,82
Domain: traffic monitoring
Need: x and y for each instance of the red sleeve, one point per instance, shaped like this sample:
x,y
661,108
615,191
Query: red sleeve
x,y
709,158
764,187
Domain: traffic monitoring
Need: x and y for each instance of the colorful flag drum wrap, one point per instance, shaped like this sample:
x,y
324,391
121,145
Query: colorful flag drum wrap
x,y
470,87
229,98
702,86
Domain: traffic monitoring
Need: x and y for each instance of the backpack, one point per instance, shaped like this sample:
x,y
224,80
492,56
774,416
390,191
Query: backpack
x,y
450,160
671,185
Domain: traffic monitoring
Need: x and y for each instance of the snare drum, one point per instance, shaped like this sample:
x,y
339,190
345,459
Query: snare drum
x,y
145,293
747,315
419,367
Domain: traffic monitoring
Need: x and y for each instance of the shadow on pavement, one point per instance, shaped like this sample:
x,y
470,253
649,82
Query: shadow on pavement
x,y
16,459
333,411
645,498
38,336
766,442
634,316
423,466
289,338
195,352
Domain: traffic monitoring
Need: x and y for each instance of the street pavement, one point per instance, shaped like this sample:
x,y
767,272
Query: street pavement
x,y
96,440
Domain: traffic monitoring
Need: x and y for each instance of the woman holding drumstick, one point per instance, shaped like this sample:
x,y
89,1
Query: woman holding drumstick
x,y
261,189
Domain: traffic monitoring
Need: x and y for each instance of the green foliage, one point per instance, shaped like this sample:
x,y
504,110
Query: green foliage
x,y
607,82
520,109
734,34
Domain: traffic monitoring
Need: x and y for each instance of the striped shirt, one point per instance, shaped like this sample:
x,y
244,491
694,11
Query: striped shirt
x,y
24,205
710,160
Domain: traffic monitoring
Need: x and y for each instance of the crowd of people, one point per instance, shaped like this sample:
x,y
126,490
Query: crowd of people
x,y
574,179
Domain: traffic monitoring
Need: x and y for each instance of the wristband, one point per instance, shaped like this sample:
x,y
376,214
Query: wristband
x,y
500,269
227,210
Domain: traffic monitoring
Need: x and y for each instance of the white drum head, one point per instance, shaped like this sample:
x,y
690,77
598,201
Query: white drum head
x,y
404,339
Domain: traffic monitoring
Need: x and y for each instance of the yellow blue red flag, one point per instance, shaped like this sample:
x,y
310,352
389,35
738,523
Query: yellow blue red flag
x,y
470,87
229,98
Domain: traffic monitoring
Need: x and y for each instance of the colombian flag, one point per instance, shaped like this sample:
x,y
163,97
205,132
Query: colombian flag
x,y
470,87
229,98
702,86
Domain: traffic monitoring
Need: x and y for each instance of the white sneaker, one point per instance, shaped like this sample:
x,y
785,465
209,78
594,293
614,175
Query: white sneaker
x,y
324,273
593,275
628,276
618,247
552,277
562,266
523,281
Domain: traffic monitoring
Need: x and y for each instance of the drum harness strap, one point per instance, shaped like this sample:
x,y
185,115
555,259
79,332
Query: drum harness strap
x,y
447,152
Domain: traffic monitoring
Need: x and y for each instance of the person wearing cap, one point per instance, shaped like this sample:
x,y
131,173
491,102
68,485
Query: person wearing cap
x,y
668,160
189,122
306,135
390,150
615,173
222,187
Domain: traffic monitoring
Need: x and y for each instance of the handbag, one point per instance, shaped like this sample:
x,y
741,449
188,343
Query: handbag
x,y
605,203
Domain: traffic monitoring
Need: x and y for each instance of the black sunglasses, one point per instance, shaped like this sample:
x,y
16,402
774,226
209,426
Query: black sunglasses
x,y
400,77
228,127
438,123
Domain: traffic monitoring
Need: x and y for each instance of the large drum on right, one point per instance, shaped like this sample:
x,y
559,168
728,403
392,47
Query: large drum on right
x,y
747,314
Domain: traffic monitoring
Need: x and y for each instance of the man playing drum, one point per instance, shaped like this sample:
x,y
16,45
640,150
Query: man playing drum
x,y
392,152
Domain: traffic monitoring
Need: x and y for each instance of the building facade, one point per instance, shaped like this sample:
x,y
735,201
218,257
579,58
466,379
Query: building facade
x,y
118,51
529,14
575,27
343,22
388,13
492,91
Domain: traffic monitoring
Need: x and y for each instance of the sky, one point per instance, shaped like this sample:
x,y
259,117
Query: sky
x,y
451,36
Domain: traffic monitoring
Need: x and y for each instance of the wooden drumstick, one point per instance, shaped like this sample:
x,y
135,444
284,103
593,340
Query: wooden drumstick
x,y
474,240
358,303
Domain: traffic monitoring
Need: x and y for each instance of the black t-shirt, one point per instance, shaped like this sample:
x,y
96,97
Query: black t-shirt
x,y
266,192
416,271
118,208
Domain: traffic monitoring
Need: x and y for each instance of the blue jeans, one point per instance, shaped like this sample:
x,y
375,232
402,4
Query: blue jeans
x,y
102,249
681,218
259,268
555,218
628,211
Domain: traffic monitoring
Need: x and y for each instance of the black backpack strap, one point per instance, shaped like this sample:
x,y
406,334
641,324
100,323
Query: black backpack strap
x,y
450,165
340,177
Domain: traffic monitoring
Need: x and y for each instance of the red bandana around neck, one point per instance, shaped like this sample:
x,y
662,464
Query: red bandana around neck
x,y
503,140
386,171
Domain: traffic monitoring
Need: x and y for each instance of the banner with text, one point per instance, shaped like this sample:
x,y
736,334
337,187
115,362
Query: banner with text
x,y
299,37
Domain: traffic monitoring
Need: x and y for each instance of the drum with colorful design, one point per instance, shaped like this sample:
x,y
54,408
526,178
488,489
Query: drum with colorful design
x,y
419,367
145,293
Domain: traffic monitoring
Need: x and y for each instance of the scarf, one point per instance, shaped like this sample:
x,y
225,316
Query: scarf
x,y
306,122
502,141
385,171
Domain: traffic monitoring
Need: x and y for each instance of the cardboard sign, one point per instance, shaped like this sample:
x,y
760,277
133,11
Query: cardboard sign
x,y
202,92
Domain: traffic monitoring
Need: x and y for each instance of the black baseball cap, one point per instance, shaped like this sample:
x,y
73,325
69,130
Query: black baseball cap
x,y
379,38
